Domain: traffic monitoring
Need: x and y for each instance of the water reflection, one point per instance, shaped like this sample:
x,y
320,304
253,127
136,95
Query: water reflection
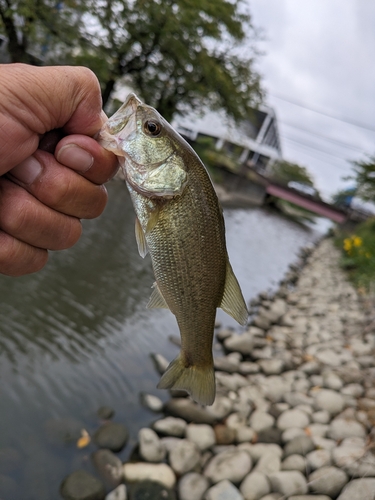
x,y
78,335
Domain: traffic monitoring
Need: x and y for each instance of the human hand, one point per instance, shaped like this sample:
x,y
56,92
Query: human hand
x,y
43,196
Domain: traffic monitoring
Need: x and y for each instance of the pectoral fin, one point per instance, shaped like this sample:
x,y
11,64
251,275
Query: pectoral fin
x,y
157,301
233,302
141,239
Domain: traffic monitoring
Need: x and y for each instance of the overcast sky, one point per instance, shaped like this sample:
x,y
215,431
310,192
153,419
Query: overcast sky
x,y
320,54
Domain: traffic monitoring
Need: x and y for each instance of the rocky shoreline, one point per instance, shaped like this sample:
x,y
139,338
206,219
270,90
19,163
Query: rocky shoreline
x,y
294,414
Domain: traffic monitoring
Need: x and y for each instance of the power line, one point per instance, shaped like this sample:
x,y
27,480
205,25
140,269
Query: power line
x,y
329,115
319,149
330,139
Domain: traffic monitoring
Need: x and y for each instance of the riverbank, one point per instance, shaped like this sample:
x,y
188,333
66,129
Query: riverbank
x,y
295,406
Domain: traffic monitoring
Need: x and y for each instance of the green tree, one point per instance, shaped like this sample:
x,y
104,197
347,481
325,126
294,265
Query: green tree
x,y
365,178
175,53
284,171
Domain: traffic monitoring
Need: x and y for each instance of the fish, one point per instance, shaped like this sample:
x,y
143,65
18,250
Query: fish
x,y
180,223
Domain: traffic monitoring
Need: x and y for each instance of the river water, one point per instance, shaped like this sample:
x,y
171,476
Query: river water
x,y
77,335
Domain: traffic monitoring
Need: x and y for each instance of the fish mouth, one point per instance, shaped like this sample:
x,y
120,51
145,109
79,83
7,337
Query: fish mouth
x,y
124,121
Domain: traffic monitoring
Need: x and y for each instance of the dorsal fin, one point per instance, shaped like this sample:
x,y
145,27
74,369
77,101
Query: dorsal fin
x,y
156,301
233,302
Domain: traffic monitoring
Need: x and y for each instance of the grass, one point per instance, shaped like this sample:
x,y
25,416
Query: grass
x,y
358,254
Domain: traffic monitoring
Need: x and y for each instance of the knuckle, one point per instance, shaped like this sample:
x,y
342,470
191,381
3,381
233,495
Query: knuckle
x,y
18,258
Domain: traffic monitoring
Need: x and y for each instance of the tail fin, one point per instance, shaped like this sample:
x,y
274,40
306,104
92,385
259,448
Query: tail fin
x,y
198,381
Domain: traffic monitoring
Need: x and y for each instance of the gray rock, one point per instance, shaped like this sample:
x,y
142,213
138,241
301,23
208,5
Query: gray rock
x,y
184,457
318,430
160,363
341,428
112,436
293,418
241,343
355,390
202,435
330,401
226,364
332,381
318,458
260,420
171,426
327,481
294,462
169,442
189,411
300,445
354,460
292,433
268,464
223,334
152,402
231,381
359,489
80,485
220,409
224,435
324,443
245,434
151,490
309,497
255,486
248,368
297,398
273,496
192,486
224,490
109,467
270,435
255,451
151,448
231,464
288,483
162,473
272,366
321,417
117,494
105,412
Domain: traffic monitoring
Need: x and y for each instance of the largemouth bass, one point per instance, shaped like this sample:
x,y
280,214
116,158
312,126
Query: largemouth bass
x,y
180,223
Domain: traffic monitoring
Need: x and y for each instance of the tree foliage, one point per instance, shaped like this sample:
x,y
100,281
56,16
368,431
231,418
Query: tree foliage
x,y
365,178
175,53
284,172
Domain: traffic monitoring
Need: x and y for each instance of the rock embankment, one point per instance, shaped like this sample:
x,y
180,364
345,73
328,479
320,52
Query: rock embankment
x,y
295,408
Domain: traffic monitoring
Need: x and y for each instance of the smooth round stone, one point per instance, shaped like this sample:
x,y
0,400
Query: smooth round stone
x,y
254,486
224,490
189,411
112,436
308,497
332,381
294,462
257,450
231,464
292,433
318,430
328,481
192,486
293,418
270,435
341,428
226,364
248,368
202,435
152,402
268,464
80,485
288,483
184,456
321,417
141,471
151,448
171,426
245,434
160,363
109,466
260,420
117,494
224,435
318,458
169,442
330,401
300,445
220,409
359,489
271,366
241,343
151,490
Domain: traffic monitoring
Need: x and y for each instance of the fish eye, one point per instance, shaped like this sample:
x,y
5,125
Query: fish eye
x,y
152,127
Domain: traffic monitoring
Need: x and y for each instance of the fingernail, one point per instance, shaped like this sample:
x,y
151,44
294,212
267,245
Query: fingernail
x,y
74,157
27,171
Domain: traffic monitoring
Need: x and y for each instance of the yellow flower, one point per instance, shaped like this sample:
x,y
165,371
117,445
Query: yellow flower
x,y
347,244
357,241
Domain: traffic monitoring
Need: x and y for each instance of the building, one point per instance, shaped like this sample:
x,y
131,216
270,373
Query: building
x,y
254,142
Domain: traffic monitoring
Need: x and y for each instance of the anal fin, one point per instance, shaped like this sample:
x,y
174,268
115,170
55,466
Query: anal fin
x,y
156,301
233,302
